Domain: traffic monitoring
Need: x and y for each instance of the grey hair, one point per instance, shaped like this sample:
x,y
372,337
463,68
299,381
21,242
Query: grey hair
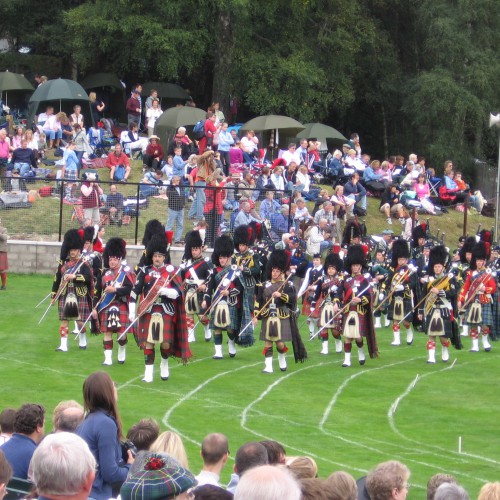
x,y
284,207
61,464
268,482
450,491
181,129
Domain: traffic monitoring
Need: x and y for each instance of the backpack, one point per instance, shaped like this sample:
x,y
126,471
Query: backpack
x,y
199,130
119,173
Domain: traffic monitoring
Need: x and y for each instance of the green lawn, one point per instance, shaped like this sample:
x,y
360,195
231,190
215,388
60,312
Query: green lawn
x,y
394,407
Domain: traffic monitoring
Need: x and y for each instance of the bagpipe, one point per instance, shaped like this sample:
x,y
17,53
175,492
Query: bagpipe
x,y
161,282
346,307
403,276
474,288
64,284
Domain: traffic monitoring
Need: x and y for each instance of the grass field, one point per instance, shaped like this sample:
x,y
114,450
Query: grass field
x,y
394,407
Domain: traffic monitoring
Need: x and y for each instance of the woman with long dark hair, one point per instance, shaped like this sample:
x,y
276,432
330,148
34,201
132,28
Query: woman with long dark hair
x,y
102,430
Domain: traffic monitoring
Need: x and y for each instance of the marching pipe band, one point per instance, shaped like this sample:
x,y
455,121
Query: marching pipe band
x,y
236,291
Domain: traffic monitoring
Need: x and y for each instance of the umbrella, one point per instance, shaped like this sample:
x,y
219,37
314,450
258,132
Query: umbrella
x,y
173,118
273,122
57,90
102,80
168,90
321,131
13,81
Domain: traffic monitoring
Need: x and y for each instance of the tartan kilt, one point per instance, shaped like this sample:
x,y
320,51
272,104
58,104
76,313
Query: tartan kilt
x,y
486,315
82,304
4,261
286,330
407,310
336,324
363,324
167,333
306,308
235,317
122,317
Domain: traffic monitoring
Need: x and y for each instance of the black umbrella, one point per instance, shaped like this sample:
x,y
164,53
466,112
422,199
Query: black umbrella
x,y
98,80
166,90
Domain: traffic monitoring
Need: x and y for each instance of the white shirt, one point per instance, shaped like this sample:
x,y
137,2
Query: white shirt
x,y
249,145
207,477
288,156
304,180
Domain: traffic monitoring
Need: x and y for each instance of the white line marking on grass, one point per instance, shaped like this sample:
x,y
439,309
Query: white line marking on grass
x,y
43,368
392,424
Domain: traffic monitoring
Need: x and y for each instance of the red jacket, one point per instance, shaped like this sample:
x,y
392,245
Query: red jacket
x,y
155,150
113,160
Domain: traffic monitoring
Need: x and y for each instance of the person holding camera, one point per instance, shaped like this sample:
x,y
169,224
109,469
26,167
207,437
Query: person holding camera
x,y
91,197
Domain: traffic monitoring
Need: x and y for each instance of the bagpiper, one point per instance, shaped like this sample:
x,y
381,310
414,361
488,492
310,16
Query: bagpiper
x,y
226,296
73,287
275,306
308,291
401,284
112,305
437,309
326,303
161,317
248,264
355,294
495,266
196,274
461,271
476,297
379,270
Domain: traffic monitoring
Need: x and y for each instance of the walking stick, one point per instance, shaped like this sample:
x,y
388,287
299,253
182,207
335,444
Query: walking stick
x,y
43,300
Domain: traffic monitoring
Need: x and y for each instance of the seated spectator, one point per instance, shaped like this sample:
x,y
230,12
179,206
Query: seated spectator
x,y
63,467
353,162
280,222
53,130
490,491
250,147
319,238
269,206
158,477
302,467
235,154
230,202
390,204
176,202
15,184
246,185
29,429
76,118
409,175
154,154
119,164
67,131
168,168
335,165
385,170
23,158
342,486
313,159
263,182
341,204
322,197
244,215
210,492
476,200
214,452
131,141
315,489
304,185
326,212
171,443
374,182
388,481
451,491
144,433
267,482
7,418
291,155
436,481
114,205
355,191
178,142
151,183
421,187
5,474
248,456
67,416
276,454
302,214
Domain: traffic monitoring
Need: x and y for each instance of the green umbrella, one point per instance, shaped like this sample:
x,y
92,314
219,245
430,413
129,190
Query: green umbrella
x,y
321,131
173,118
167,90
102,80
273,122
13,81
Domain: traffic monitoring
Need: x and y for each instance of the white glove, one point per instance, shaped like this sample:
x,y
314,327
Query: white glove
x,y
311,309
131,311
170,293
381,296
399,288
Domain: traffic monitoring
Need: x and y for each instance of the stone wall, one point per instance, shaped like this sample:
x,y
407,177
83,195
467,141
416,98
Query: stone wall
x,y
39,257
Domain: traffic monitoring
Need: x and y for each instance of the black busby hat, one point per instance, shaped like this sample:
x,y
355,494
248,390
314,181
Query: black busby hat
x,y
153,226
333,260
115,247
243,235
418,232
158,244
90,233
193,240
278,259
352,230
256,228
355,255
479,251
223,247
467,248
437,255
400,249
73,239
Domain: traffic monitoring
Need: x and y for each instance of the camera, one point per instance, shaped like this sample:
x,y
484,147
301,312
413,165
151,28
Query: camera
x,y
128,445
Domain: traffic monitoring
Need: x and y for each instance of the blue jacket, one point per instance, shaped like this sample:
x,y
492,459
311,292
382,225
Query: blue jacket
x,y
225,140
370,175
100,432
18,451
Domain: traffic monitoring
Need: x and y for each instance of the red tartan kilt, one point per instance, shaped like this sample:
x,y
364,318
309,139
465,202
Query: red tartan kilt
x,y
169,326
363,323
306,308
83,307
123,317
